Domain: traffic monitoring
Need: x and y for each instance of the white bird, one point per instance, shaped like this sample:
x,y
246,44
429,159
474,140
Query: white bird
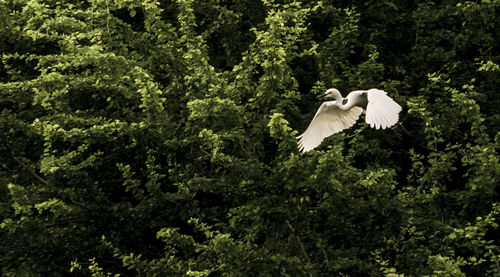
x,y
334,116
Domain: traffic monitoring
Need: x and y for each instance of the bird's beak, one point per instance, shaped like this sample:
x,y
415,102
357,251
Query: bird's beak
x,y
321,96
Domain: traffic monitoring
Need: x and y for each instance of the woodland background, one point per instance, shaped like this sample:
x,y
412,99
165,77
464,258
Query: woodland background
x,y
157,138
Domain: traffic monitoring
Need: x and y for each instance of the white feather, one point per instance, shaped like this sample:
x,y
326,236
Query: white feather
x,y
381,111
329,119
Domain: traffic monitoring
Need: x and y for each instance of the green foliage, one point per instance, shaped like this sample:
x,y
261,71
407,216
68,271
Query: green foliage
x,y
158,138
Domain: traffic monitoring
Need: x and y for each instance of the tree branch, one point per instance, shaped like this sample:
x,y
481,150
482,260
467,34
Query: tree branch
x,y
29,170
300,246
24,165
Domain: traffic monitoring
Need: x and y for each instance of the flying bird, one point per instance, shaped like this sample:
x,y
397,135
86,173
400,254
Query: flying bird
x,y
334,116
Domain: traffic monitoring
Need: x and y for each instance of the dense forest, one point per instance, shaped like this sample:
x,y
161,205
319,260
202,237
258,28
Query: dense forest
x,y
158,138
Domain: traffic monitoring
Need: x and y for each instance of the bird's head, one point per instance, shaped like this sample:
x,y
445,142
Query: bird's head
x,y
333,93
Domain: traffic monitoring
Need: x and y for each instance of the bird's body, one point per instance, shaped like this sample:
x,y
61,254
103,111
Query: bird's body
x,y
334,116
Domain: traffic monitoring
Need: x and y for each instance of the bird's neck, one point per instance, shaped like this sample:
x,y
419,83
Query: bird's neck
x,y
344,104
358,100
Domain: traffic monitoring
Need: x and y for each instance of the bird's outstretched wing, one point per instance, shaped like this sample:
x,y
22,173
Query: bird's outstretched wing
x,y
381,111
329,119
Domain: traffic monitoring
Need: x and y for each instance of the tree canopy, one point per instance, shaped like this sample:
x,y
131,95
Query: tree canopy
x,y
157,138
